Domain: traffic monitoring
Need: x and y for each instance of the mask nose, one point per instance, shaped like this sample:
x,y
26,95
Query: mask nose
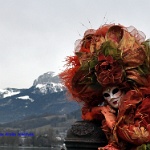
x,y
111,96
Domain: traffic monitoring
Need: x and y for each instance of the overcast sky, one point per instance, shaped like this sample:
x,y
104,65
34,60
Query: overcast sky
x,y
37,35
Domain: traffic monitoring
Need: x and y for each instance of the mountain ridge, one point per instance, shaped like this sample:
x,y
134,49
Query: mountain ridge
x,y
47,82
46,95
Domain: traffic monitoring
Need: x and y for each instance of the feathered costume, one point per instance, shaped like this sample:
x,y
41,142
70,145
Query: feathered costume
x,y
113,55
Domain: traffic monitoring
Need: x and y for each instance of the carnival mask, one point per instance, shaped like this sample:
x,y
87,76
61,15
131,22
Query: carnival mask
x,y
113,95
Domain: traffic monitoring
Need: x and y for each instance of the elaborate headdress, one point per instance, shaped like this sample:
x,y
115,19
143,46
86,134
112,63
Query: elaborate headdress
x,y
110,55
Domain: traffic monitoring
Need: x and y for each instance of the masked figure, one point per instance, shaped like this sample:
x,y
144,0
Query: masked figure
x,y
110,75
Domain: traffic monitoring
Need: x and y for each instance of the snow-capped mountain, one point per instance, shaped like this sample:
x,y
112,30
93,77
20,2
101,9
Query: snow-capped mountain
x,y
46,95
48,83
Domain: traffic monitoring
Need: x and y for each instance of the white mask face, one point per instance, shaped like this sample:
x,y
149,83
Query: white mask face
x,y
113,95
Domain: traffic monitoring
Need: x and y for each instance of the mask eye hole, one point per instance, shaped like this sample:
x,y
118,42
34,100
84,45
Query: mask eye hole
x,y
106,95
115,90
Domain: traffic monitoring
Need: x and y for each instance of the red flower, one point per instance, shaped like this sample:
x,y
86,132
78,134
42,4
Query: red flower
x,y
108,71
